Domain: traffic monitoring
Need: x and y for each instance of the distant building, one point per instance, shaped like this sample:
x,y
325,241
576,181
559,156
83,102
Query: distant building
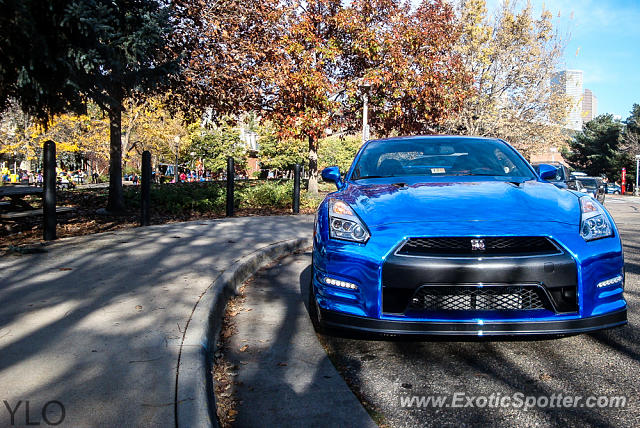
x,y
589,106
550,155
569,82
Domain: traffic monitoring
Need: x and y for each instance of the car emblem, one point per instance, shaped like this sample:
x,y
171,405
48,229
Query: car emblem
x,y
477,244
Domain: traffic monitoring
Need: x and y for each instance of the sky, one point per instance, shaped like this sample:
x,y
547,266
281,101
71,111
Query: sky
x,y
603,40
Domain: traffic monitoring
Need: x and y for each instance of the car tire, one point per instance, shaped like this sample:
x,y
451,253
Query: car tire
x,y
313,307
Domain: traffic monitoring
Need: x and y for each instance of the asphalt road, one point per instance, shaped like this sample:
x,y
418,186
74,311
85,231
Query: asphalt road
x,y
606,363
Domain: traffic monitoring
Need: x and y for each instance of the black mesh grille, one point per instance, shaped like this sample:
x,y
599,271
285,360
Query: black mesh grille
x,y
474,246
476,298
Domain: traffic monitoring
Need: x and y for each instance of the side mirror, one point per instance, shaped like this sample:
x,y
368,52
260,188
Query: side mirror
x,y
547,171
332,173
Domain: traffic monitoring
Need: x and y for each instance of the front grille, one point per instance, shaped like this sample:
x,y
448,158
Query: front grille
x,y
479,246
479,298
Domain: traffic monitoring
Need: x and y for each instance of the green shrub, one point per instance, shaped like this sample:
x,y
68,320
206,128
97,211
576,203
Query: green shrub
x,y
181,198
203,198
308,202
270,194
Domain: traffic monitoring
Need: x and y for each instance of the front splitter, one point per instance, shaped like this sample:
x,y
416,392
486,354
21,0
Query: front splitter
x,y
338,320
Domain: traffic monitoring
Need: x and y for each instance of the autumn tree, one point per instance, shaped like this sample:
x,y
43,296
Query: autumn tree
x,y
301,85
222,69
512,58
403,57
301,64
76,135
148,124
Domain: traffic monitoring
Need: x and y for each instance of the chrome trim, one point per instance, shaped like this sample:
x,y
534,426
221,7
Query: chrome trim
x,y
561,250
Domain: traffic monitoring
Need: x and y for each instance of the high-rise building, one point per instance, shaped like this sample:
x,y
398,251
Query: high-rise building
x,y
569,82
589,106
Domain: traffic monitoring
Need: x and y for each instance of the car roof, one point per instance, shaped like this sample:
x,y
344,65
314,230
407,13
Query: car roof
x,y
434,137
549,163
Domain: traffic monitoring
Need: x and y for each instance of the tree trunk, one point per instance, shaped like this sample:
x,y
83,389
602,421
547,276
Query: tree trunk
x,y
116,198
313,166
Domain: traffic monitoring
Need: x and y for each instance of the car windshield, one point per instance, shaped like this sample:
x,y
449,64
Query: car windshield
x,y
439,157
589,183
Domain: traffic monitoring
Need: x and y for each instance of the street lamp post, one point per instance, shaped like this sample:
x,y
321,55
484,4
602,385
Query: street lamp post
x,y
635,189
364,87
176,140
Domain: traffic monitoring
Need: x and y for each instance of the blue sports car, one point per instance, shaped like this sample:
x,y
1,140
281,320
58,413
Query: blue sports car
x,y
453,235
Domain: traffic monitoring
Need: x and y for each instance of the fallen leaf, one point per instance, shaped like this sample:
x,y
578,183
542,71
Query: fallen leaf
x,y
65,269
545,376
138,307
244,348
282,364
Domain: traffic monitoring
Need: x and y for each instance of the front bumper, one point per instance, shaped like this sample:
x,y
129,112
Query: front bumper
x,y
570,280
487,328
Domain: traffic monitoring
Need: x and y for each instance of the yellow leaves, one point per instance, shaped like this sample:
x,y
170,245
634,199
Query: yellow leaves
x,y
511,58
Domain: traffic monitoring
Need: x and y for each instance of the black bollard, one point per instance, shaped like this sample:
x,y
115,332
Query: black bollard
x,y
49,191
145,191
296,189
230,178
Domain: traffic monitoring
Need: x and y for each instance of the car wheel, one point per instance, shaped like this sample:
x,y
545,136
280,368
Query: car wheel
x,y
313,307
616,193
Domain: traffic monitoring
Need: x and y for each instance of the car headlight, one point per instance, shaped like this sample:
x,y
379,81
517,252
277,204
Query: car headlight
x,y
345,224
594,223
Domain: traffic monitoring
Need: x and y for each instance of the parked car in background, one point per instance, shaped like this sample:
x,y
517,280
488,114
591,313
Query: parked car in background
x,y
562,174
594,185
613,189
577,186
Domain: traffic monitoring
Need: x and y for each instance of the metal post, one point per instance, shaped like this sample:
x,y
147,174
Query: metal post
x,y
635,191
176,140
230,178
296,189
145,191
49,191
175,171
365,114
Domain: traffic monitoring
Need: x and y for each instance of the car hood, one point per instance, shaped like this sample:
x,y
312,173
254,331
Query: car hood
x,y
384,203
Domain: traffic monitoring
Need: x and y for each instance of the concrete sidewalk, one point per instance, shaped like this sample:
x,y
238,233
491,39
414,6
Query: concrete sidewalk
x,y
96,322
284,377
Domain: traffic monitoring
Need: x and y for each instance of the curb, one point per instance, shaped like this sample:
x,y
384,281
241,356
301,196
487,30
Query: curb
x,y
194,397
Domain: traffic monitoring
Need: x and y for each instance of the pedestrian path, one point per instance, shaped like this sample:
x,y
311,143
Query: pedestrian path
x,y
95,323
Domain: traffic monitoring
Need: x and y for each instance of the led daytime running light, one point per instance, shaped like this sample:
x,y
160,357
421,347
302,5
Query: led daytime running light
x,y
341,284
608,282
